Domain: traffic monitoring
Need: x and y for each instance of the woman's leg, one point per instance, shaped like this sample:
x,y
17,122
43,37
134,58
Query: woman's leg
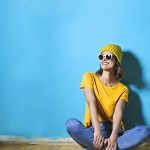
x,y
82,135
133,137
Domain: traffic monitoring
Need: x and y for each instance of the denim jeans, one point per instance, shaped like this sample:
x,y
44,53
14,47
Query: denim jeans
x,y
126,139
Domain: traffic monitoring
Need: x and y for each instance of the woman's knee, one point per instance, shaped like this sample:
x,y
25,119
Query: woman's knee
x,y
144,130
72,125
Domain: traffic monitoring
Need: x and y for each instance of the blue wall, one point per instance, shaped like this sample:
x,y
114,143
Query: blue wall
x,y
46,46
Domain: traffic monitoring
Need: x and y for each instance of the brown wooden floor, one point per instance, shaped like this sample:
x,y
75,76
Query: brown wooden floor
x,y
39,147
53,147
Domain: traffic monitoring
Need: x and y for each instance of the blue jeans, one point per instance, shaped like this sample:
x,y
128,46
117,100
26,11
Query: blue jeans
x,y
126,139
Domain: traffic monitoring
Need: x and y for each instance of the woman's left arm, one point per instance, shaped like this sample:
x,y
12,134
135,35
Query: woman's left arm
x,y
117,118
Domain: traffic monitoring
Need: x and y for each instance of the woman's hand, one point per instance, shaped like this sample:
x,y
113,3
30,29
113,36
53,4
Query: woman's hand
x,y
98,140
111,142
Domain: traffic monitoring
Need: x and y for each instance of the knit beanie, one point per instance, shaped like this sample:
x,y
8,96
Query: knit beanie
x,y
114,49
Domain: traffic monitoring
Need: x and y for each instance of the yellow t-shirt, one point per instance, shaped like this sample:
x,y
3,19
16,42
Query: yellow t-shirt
x,y
106,96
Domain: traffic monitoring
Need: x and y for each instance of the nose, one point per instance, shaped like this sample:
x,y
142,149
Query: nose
x,y
104,58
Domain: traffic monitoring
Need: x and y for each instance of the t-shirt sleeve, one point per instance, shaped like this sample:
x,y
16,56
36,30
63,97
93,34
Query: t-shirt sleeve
x,y
124,95
87,80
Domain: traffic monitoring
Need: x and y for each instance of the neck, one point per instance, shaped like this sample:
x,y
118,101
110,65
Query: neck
x,y
108,77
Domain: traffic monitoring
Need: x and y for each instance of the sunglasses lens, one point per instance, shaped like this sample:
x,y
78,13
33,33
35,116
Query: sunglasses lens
x,y
100,56
108,57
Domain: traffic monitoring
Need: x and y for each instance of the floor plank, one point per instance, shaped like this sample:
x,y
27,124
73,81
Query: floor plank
x,y
145,146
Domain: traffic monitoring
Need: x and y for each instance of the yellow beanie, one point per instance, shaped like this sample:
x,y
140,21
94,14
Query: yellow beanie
x,y
114,49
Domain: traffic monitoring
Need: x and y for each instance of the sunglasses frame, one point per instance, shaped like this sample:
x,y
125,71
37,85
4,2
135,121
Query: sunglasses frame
x,y
106,56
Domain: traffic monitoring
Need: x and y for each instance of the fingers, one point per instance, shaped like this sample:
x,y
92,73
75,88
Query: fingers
x,y
98,142
95,142
111,145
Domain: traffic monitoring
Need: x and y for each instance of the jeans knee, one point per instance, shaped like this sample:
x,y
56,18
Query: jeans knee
x,y
145,130
72,125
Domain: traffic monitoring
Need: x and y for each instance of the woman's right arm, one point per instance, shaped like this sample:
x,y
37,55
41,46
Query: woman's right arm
x,y
91,101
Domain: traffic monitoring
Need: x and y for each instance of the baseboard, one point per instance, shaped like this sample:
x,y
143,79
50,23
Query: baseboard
x,y
45,141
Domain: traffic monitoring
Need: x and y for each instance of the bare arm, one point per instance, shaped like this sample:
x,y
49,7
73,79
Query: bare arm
x,y
117,117
91,101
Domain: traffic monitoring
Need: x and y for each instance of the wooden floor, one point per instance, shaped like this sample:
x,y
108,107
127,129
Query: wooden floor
x,y
53,147
39,147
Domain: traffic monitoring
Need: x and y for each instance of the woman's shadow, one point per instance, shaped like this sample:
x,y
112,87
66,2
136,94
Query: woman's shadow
x,y
133,77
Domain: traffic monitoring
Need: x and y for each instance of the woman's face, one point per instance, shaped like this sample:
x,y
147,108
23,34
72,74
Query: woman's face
x,y
108,64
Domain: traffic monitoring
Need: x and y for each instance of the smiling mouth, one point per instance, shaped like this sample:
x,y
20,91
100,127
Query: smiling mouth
x,y
105,63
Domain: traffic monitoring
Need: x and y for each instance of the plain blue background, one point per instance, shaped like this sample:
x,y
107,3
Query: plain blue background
x,y
47,45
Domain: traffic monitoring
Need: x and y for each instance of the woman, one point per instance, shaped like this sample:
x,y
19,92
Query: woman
x,y
106,98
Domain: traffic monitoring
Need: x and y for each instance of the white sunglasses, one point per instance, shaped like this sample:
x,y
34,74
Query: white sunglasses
x,y
107,56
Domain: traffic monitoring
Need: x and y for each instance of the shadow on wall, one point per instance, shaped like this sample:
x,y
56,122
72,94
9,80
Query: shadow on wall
x,y
133,76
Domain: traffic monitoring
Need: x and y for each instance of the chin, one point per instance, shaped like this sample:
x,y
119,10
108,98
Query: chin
x,y
107,68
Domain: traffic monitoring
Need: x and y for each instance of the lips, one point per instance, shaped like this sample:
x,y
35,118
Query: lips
x,y
105,63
